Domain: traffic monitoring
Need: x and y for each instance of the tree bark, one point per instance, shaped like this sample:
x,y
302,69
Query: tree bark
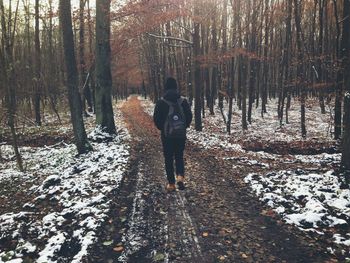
x,y
214,71
197,74
37,84
81,141
7,73
86,93
103,100
252,72
339,80
320,53
345,43
300,77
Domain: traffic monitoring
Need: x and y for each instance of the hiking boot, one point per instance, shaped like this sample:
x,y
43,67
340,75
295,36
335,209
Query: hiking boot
x,y
180,182
170,187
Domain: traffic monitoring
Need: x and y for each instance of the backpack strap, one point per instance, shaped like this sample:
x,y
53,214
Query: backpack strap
x,y
170,104
179,102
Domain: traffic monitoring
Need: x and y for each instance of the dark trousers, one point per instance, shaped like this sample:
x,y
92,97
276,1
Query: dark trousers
x,y
174,148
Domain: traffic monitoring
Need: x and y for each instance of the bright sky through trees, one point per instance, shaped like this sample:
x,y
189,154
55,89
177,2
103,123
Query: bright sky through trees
x,y
74,3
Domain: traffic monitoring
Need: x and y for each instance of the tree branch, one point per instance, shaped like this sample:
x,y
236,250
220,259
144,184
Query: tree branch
x,y
171,38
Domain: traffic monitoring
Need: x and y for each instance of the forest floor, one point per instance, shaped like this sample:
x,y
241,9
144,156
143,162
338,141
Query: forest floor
x,y
232,209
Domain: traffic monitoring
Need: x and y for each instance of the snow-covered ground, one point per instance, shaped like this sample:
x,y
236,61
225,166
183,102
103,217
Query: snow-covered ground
x,y
71,197
313,201
319,126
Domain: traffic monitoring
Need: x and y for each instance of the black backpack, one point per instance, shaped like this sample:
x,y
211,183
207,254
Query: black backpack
x,y
175,123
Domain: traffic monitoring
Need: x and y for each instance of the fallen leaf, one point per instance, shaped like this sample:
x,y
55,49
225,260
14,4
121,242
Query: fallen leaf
x,y
244,255
222,258
222,233
159,257
205,234
118,249
268,212
172,245
107,243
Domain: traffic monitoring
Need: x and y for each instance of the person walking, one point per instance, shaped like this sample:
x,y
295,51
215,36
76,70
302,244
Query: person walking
x,y
172,116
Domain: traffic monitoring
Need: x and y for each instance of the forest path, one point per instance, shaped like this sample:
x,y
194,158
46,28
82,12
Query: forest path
x,y
214,220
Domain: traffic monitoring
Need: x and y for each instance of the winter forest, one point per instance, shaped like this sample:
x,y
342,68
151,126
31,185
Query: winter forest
x,y
83,167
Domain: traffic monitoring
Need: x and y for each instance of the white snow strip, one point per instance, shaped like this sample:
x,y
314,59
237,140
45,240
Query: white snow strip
x,y
133,239
192,235
54,244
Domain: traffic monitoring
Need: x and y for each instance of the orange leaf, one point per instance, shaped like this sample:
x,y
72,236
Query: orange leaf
x,y
118,249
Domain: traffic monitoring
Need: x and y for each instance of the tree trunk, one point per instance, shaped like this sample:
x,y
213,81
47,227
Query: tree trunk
x,y
223,74
103,100
92,64
214,71
345,43
300,77
286,62
37,84
320,51
86,93
244,93
252,72
7,74
197,74
265,63
339,86
230,97
81,141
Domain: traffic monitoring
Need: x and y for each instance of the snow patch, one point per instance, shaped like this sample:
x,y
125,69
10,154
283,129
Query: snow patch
x,y
78,187
308,200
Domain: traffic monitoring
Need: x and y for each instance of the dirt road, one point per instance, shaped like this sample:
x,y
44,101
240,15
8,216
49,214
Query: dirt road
x,y
214,220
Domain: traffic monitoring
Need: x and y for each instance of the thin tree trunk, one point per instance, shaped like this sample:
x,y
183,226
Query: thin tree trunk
x,y
7,72
197,74
214,72
300,78
86,93
339,86
37,84
244,94
252,72
321,51
345,43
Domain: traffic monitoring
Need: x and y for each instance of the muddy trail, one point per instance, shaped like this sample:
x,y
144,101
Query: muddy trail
x,y
215,219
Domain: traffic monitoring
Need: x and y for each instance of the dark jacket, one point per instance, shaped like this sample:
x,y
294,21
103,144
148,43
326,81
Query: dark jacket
x,y
161,110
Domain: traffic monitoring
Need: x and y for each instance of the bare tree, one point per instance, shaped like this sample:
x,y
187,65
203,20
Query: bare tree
x,y
7,73
345,160
300,56
72,78
103,100
37,84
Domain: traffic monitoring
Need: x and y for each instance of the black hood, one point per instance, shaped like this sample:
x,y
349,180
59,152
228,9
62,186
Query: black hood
x,y
171,95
